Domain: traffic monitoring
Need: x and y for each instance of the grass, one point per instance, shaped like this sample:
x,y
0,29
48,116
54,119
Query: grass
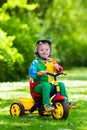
x,y
76,74
77,91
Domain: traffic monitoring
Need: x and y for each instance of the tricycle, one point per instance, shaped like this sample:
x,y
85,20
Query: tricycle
x,y
22,107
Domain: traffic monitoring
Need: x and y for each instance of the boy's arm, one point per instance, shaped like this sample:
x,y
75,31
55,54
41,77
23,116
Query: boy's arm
x,y
57,67
33,69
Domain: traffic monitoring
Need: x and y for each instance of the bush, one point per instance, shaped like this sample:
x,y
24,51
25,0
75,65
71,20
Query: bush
x,y
9,56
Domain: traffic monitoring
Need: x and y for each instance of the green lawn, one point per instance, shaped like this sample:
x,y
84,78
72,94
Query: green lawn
x,y
76,84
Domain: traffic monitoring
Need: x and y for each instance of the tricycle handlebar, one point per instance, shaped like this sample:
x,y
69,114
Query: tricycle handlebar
x,y
62,73
55,75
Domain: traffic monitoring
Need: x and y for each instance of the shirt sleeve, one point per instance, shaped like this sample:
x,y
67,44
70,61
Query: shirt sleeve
x,y
33,69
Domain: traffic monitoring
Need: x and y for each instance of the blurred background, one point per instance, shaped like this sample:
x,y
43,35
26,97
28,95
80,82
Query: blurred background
x,y
23,22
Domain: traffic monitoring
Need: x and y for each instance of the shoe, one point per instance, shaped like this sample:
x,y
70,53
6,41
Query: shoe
x,y
48,108
72,105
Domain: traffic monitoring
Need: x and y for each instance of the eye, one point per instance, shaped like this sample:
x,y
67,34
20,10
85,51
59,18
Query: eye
x,y
41,50
47,49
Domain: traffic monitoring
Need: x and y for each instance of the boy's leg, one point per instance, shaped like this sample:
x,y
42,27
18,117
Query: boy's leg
x,y
44,88
63,90
64,93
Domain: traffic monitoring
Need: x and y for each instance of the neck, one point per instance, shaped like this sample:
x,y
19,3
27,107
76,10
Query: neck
x,y
44,59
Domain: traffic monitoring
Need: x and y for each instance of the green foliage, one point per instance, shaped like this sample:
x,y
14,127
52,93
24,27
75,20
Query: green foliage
x,y
67,29
8,55
25,34
73,54
62,22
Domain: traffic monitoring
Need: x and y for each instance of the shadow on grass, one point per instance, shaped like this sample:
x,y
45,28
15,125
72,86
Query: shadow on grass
x,y
4,103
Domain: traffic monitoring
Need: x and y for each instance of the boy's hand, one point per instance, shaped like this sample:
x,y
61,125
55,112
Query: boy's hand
x,y
42,73
57,67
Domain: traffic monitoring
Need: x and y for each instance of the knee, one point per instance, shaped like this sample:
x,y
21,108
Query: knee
x,y
46,85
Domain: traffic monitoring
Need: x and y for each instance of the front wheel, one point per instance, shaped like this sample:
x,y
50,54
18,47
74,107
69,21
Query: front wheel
x,y
61,110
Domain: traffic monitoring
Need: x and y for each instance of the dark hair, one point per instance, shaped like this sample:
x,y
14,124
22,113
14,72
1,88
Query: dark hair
x,y
42,42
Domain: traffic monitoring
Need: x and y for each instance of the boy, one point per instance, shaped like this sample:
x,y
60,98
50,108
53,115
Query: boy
x,y
38,70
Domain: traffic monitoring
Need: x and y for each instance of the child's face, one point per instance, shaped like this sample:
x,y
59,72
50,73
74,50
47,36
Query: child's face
x,y
44,50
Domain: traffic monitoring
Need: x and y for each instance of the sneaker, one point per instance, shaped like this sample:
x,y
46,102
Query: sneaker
x,y
72,105
48,108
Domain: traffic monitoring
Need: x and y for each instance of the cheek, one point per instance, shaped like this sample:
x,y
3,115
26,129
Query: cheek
x,y
39,52
49,52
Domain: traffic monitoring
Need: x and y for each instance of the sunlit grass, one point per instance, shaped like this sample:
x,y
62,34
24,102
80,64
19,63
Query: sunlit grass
x,y
77,74
14,90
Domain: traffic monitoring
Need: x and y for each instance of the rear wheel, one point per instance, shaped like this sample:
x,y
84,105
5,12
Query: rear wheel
x,y
17,109
61,110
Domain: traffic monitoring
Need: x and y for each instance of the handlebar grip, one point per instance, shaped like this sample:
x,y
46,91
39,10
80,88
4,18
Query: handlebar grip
x,y
64,73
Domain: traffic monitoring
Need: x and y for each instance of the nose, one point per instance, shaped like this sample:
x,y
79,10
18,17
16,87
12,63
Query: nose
x,y
44,51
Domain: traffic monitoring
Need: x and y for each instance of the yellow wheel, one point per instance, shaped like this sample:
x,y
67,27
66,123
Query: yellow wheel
x,y
17,109
61,110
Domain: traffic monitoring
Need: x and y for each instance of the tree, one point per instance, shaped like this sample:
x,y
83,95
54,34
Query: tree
x,y
17,20
9,56
66,25
25,22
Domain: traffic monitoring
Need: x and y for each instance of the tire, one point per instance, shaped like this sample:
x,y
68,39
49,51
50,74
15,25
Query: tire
x,y
17,109
61,110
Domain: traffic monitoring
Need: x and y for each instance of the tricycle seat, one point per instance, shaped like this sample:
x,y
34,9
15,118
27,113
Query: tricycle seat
x,y
34,95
